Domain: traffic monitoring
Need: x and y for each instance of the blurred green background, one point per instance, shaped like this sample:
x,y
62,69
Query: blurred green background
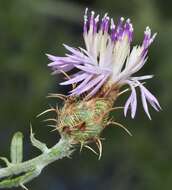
x,y
31,28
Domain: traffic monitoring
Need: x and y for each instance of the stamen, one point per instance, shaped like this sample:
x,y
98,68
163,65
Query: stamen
x,y
120,29
106,26
85,21
97,18
112,26
128,20
104,20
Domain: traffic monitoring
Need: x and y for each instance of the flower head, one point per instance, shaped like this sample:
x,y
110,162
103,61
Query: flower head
x,y
108,59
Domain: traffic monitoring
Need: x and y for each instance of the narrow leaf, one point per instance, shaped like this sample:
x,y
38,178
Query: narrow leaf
x,y
17,148
38,144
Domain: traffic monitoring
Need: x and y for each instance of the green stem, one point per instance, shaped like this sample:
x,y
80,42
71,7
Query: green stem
x,y
28,170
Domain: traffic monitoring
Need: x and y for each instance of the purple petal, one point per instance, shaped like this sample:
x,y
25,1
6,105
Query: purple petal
x,y
133,102
75,79
144,102
64,68
80,87
52,57
76,74
59,65
94,91
127,104
73,50
56,64
148,39
92,83
151,98
89,69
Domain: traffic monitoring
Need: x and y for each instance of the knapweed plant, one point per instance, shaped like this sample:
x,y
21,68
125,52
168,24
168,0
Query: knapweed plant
x,y
99,75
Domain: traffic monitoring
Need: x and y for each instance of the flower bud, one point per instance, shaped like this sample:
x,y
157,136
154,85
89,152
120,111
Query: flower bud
x,y
83,120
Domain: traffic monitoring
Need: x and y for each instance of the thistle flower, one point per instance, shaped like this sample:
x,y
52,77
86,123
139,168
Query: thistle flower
x,y
107,64
108,61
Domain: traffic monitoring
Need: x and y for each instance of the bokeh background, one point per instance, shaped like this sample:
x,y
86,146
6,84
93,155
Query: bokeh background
x,y
31,28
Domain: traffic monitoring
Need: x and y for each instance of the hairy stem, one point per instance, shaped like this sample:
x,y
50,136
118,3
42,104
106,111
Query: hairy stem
x,y
20,173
